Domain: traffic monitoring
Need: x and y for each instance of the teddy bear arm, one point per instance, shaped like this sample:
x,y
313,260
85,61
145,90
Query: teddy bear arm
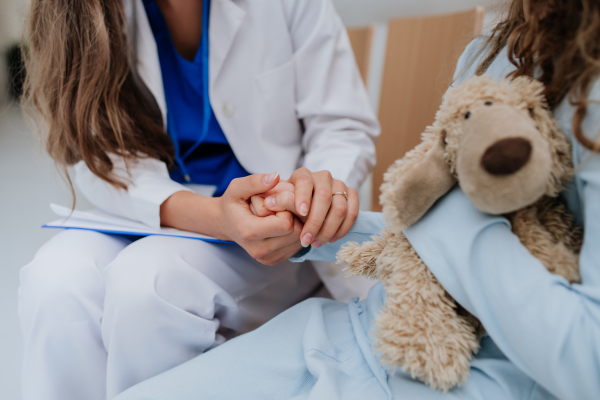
x,y
537,231
362,258
555,217
418,328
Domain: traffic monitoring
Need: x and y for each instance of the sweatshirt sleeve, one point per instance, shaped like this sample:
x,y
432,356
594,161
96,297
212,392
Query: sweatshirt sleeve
x,y
367,225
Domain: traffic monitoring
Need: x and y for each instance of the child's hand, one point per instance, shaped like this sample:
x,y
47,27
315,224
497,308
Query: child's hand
x,y
284,191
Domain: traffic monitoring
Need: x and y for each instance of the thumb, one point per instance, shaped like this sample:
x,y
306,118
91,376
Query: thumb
x,y
244,188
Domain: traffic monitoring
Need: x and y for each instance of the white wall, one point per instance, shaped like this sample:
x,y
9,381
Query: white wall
x,y
364,12
353,12
12,14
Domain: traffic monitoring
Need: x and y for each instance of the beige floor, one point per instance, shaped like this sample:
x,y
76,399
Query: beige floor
x,y
28,183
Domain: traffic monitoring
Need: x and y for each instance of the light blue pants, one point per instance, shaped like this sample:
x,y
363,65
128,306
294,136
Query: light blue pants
x,y
320,350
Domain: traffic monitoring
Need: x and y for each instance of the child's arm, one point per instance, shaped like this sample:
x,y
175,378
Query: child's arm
x,y
367,225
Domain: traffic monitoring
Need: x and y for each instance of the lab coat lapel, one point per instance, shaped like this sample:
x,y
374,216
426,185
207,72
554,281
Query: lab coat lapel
x,y
225,20
145,60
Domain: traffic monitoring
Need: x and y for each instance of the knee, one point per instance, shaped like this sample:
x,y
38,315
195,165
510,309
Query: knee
x,y
130,279
157,272
56,286
64,277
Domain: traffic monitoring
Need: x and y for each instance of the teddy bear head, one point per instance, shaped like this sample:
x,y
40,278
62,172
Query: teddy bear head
x,y
498,140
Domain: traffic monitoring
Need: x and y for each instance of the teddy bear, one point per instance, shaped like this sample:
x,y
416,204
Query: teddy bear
x,y
499,142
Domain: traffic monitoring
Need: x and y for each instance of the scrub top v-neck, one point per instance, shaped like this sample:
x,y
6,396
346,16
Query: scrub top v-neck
x,y
203,154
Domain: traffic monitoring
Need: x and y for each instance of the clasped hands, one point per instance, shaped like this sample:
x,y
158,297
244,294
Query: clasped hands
x,y
273,219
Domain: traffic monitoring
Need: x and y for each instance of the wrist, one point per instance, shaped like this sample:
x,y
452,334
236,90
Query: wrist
x,y
194,213
216,213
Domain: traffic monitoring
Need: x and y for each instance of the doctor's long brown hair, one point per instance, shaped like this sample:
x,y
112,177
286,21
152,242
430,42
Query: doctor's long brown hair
x,y
79,81
561,38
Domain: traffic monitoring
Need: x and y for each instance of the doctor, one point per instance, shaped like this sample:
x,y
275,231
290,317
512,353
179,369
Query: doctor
x,y
241,87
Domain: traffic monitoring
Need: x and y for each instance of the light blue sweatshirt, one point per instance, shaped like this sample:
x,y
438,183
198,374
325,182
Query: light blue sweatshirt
x,y
543,337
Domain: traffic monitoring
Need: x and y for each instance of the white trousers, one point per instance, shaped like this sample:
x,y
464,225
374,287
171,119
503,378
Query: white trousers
x,y
100,314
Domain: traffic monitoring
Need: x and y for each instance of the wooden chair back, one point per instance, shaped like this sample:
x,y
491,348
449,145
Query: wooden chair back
x,y
361,40
421,56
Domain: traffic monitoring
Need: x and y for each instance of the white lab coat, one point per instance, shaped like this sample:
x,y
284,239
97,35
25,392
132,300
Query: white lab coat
x,y
100,314
284,87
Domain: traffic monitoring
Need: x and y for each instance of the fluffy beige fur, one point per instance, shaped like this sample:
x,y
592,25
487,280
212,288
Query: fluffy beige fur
x,y
421,329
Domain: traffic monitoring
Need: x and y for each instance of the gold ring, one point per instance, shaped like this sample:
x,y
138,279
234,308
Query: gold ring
x,y
341,194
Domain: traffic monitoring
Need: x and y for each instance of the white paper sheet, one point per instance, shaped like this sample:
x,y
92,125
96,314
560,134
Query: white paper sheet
x,y
96,220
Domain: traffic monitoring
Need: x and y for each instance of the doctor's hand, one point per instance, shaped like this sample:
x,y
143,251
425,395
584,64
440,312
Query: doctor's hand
x,y
327,215
270,239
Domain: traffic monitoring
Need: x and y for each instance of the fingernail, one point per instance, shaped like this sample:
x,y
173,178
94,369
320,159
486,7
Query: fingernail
x,y
270,201
303,209
333,239
270,178
316,244
306,240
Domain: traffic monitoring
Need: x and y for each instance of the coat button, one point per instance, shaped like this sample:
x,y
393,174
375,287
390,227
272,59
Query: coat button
x,y
229,109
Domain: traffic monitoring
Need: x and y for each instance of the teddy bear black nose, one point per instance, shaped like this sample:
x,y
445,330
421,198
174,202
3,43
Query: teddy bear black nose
x,y
506,156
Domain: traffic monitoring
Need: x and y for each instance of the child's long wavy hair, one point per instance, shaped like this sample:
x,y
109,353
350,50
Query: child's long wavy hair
x,y
559,38
79,80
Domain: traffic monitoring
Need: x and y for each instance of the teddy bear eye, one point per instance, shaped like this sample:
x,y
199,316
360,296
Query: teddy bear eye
x,y
467,115
488,103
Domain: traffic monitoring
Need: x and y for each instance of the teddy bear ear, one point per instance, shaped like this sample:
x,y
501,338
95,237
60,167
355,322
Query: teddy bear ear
x,y
414,183
531,92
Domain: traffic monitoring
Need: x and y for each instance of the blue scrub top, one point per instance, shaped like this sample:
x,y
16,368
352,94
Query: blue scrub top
x,y
203,154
